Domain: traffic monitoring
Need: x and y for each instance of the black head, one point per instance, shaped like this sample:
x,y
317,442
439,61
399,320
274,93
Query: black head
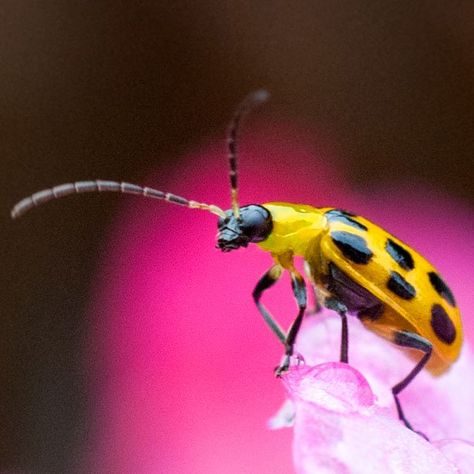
x,y
253,225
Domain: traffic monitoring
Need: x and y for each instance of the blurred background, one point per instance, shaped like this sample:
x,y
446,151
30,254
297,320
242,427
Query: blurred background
x,y
120,90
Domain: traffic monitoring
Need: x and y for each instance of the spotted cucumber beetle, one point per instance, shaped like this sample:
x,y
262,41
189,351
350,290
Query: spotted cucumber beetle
x,y
354,266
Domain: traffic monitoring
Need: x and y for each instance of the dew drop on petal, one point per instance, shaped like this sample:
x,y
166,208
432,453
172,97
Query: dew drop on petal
x,y
297,359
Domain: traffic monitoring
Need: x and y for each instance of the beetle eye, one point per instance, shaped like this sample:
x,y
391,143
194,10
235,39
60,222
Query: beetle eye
x,y
251,220
256,222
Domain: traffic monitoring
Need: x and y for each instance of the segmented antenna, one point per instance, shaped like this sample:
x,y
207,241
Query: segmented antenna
x,y
99,185
252,100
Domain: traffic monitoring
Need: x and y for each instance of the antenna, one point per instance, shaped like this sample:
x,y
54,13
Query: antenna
x,y
99,185
251,101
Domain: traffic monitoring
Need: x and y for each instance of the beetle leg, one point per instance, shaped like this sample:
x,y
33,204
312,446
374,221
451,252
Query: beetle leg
x,y
299,290
341,309
268,280
413,341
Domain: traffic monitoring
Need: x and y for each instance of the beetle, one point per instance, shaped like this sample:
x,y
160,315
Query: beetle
x,y
354,266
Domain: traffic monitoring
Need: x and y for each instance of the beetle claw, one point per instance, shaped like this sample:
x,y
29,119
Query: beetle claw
x,y
283,367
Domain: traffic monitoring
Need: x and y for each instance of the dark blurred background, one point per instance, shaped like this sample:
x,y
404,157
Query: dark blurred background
x,y
115,89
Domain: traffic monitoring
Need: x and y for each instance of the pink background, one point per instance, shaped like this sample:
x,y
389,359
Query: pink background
x,y
183,362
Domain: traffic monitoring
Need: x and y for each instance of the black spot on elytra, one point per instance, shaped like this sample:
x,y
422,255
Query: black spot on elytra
x,y
410,339
442,325
400,254
400,286
442,289
353,247
337,215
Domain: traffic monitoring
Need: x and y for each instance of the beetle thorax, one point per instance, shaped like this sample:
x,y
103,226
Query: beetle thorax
x,y
295,228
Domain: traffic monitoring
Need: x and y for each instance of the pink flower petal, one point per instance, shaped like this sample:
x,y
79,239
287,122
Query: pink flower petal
x,y
459,452
437,406
339,430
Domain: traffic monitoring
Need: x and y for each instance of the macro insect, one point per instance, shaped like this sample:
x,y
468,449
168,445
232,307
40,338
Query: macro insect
x,y
354,266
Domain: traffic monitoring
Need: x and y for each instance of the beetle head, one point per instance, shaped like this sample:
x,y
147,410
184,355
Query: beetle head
x,y
254,224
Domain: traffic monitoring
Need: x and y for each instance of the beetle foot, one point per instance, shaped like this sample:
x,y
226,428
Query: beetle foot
x,y
287,361
283,367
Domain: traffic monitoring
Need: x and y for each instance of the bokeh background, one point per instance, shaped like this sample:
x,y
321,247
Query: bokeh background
x,y
121,90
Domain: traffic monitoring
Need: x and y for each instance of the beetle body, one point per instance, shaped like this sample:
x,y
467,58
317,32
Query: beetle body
x,y
386,284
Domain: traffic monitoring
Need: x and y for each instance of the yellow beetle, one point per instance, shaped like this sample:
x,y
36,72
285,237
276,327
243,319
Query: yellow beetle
x,y
354,266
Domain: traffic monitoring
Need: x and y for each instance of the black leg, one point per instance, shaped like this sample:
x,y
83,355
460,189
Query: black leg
x,y
344,354
414,341
299,290
268,280
341,309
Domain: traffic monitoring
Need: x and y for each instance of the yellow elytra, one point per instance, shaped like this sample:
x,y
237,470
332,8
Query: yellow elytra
x,y
354,266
